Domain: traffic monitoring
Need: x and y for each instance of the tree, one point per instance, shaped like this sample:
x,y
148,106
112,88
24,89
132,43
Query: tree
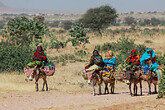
x,y
147,21
155,21
78,33
21,30
67,24
2,24
161,86
130,21
99,18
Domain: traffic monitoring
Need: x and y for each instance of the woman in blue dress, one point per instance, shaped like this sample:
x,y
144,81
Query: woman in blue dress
x,y
150,57
110,61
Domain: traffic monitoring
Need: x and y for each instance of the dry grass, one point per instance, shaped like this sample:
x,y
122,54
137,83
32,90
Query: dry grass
x,y
66,77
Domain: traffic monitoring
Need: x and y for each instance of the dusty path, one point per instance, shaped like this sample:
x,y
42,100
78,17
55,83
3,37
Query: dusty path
x,y
55,100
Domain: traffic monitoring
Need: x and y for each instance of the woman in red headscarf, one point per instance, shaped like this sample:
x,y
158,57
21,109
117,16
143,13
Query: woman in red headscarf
x,y
39,54
134,59
133,62
39,57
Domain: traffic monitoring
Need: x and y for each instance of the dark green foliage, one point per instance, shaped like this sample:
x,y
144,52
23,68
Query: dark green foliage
x,y
2,24
64,59
161,85
21,30
54,24
160,59
155,21
122,49
55,43
152,22
14,58
162,23
78,34
67,25
99,18
148,41
81,53
130,21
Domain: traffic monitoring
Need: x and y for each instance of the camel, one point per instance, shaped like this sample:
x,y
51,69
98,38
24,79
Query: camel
x,y
150,78
38,74
135,78
93,77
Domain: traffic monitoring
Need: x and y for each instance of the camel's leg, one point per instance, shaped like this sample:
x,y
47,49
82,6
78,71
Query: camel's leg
x,y
155,88
130,88
37,84
149,86
141,88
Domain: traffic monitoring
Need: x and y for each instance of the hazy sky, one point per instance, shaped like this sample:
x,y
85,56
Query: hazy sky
x,y
83,5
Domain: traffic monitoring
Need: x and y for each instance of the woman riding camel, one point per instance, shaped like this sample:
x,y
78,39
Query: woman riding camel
x,y
133,62
96,59
149,58
39,57
110,61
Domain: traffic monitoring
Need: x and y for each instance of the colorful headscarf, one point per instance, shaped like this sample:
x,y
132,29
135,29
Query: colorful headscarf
x,y
109,55
133,51
146,56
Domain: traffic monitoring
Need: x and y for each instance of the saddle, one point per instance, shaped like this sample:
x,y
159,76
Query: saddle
x,y
107,74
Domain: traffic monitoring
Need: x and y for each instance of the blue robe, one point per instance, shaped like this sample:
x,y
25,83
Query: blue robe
x,y
110,62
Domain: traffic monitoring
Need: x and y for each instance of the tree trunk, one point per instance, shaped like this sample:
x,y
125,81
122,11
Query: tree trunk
x,y
100,32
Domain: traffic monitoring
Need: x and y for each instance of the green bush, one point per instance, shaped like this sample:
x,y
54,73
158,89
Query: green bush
x,y
78,34
122,49
81,53
160,59
66,58
14,58
148,41
55,43
161,86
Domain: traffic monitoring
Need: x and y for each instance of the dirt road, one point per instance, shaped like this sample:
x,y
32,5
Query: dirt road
x,y
56,100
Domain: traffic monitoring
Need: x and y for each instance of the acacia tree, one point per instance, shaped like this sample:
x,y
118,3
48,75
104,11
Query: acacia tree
x,y
78,33
130,21
21,30
99,18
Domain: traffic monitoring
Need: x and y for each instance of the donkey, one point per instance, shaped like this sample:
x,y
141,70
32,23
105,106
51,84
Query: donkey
x,y
37,74
135,78
111,80
93,77
150,78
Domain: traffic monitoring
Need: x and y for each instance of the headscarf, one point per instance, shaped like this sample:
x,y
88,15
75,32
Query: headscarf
x,y
95,53
133,51
40,45
109,55
146,56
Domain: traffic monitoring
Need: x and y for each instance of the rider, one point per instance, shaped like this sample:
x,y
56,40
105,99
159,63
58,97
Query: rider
x,y
147,67
150,57
133,62
96,59
39,57
110,61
